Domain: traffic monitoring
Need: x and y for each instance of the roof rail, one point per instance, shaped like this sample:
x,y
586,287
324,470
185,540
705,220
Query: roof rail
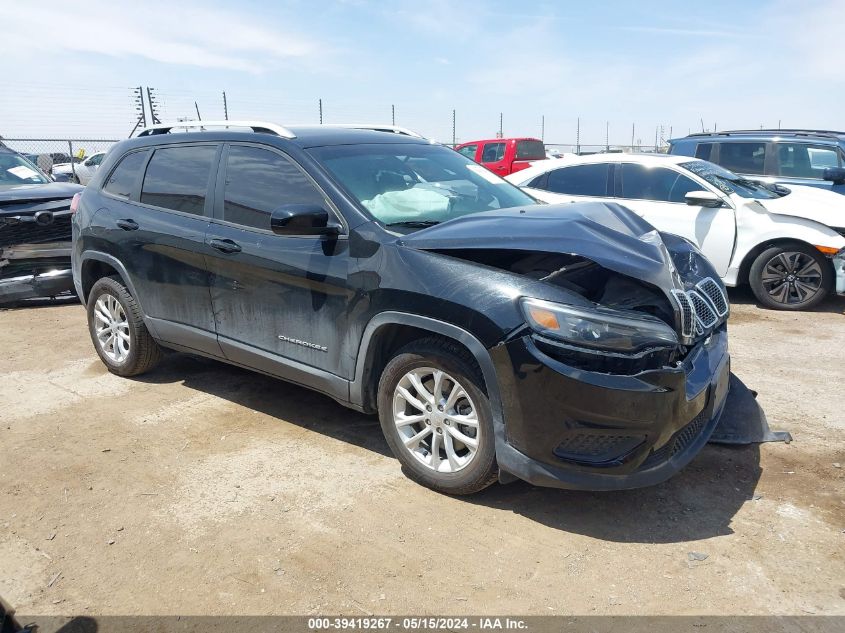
x,y
256,126
395,129
794,131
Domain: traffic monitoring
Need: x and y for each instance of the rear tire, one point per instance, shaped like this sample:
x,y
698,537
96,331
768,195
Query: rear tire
x,y
441,429
117,329
790,277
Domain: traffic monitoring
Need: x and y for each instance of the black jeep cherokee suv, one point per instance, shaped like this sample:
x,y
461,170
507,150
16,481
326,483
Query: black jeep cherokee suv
x,y
568,345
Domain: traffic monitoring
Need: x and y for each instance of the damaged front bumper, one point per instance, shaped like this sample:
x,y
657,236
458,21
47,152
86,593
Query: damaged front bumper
x,y
572,428
29,271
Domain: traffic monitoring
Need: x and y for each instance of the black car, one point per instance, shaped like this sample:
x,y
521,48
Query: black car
x,y
34,231
568,345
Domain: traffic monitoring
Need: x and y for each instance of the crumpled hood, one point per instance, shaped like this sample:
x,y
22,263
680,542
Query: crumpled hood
x,y
606,233
813,203
34,192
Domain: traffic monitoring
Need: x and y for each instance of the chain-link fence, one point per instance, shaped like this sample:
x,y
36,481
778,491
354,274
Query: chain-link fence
x,y
563,149
66,160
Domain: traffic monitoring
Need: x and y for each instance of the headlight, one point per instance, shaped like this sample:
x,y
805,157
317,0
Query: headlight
x,y
598,328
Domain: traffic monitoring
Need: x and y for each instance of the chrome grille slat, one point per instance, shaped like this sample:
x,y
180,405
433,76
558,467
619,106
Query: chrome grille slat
x,y
687,314
711,289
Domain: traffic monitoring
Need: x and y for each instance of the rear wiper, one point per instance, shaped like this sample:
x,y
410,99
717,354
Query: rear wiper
x,y
415,224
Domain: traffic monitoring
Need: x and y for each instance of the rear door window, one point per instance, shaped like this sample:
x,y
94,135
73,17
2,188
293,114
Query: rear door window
x,y
803,160
493,153
654,183
530,150
259,181
745,157
469,151
579,180
125,176
177,178
704,151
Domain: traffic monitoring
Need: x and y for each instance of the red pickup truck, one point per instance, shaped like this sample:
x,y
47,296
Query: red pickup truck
x,y
504,156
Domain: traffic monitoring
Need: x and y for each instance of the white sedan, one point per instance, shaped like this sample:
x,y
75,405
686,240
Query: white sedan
x,y
788,244
84,169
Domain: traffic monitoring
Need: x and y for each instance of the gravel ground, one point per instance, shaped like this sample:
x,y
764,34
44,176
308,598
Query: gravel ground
x,y
205,489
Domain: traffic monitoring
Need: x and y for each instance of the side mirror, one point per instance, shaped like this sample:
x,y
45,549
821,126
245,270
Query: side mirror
x,y
703,199
302,219
835,175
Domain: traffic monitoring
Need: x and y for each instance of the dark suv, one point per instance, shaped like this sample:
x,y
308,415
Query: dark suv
x,y
814,158
568,345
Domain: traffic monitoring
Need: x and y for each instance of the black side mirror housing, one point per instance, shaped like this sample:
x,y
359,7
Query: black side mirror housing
x,y
703,199
835,174
302,219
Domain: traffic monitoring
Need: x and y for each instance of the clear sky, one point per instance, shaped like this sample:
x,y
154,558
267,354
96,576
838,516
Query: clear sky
x,y
68,67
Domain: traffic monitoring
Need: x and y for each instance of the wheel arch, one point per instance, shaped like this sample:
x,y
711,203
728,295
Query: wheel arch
x,y
754,252
96,265
388,331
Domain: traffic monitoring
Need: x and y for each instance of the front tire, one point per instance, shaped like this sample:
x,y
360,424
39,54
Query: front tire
x,y
117,330
436,417
790,277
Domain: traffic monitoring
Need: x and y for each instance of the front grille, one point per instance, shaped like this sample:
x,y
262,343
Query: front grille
x,y
679,441
595,448
701,308
33,233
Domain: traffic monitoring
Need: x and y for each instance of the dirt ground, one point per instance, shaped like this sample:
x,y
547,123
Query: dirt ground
x,y
204,489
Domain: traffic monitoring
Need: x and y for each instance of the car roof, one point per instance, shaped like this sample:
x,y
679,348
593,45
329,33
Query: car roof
x,y
500,140
625,157
305,137
542,166
301,135
764,134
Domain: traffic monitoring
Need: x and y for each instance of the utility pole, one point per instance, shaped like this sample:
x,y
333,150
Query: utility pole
x,y
320,106
633,132
607,136
543,128
199,118
501,128
138,100
454,137
225,107
578,136
655,137
393,114
153,105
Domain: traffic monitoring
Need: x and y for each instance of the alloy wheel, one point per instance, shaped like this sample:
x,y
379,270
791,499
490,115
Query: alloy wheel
x,y
792,277
112,328
436,419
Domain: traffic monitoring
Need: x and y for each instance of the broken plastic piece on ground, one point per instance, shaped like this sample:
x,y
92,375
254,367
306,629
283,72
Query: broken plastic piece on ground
x,y
743,421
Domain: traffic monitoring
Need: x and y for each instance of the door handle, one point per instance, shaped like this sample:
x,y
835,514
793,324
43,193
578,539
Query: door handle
x,y
225,246
128,224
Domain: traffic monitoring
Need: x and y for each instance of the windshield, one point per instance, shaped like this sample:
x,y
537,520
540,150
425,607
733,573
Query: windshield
x,y
728,181
16,170
417,185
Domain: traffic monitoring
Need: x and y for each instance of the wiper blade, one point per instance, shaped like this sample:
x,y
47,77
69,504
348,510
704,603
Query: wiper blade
x,y
415,224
